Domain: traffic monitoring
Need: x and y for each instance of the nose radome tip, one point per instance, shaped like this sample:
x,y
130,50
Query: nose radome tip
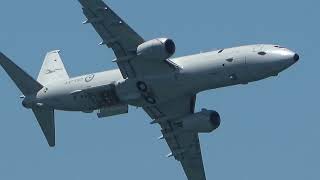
x,y
296,57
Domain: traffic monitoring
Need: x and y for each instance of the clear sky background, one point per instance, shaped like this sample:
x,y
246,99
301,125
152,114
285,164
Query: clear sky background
x,y
270,129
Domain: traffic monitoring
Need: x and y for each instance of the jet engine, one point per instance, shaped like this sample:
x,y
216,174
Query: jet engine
x,y
161,48
205,121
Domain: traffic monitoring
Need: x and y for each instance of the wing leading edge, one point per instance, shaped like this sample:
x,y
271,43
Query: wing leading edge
x,y
184,145
115,33
123,40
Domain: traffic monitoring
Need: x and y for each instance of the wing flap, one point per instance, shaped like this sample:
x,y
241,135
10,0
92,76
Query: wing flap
x,y
194,169
123,40
115,32
184,145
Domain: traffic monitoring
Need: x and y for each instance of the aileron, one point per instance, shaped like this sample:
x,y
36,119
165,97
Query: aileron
x,y
115,33
184,145
166,89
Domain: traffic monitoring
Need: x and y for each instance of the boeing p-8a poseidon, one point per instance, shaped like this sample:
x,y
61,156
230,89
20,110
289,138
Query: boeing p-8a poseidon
x,y
142,80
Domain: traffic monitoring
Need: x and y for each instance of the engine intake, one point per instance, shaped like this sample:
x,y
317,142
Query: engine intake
x,y
160,49
205,121
170,46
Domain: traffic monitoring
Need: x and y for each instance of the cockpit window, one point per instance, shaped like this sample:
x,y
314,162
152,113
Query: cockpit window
x,y
262,53
279,47
220,51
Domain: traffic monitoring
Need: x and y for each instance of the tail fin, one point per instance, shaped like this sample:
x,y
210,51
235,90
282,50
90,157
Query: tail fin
x,y
24,81
52,68
45,118
29,86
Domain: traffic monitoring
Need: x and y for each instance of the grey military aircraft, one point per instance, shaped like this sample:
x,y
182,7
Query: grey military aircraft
x,y
147,77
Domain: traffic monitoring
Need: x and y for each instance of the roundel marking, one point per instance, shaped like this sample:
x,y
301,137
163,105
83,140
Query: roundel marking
x,y
89,77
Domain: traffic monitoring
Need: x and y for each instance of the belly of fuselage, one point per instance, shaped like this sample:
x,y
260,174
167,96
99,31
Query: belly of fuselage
x,y
83,93
216,69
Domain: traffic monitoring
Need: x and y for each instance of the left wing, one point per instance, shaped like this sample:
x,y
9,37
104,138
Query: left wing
x,y
184,145
119,36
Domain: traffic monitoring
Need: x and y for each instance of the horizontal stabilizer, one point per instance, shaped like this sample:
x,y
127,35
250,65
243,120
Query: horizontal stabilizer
x,y
45,118
24,81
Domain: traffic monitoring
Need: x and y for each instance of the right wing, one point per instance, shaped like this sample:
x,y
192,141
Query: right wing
x,y
184,145
115,33
123,40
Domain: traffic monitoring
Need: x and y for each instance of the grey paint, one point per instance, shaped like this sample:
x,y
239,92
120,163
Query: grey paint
x,y
198,73
171,83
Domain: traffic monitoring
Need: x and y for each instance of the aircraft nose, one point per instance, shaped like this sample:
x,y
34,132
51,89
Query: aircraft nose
x,y
296,57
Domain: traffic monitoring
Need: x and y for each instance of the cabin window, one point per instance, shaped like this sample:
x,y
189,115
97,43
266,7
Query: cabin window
x,y
262,53
229,60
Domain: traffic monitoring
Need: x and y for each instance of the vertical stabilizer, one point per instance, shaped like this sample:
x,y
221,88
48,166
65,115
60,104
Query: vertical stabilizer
x,y
52,69
45,118
24,81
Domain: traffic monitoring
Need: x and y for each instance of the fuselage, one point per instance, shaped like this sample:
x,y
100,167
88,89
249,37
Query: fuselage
x,y
196,73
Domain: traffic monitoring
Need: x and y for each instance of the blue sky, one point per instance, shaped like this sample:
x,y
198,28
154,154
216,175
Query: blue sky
x,y
270,129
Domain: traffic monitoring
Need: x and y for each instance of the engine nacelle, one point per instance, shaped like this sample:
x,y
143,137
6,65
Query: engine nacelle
x,y
161,48
202,122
